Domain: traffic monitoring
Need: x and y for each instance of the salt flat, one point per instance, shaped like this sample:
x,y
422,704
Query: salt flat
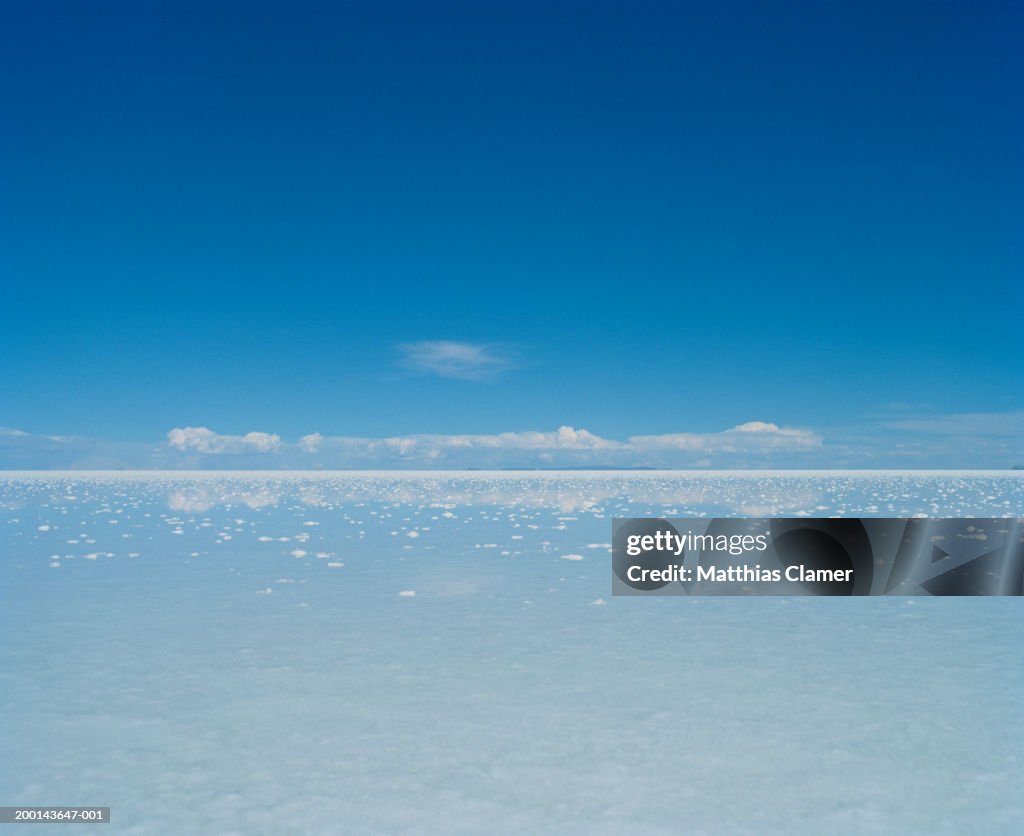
x,y
440,652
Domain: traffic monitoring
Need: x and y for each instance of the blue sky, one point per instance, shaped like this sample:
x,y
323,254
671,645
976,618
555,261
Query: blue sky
x,y
391,220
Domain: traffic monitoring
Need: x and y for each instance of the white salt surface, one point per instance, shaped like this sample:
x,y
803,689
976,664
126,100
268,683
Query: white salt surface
x,y
511,693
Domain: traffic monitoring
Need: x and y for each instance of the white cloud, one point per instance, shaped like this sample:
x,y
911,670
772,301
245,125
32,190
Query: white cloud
x,y
310,443
566,446
756,427
461,361
974,440
203,440
435,448
564,438
752,436
262,442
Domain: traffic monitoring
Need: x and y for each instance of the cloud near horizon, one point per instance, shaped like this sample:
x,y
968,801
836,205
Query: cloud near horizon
x,y
203,440
566,446
975,440
750,437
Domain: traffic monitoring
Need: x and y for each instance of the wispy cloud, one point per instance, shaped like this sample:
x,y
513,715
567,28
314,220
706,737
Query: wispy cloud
x,y
992,424
456,360
754,436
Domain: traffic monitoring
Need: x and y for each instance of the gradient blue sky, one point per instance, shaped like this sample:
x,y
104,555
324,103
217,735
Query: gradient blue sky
x,y
631,218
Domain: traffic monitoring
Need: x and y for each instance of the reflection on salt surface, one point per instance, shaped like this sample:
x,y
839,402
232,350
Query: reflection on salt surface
x,y
385,652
